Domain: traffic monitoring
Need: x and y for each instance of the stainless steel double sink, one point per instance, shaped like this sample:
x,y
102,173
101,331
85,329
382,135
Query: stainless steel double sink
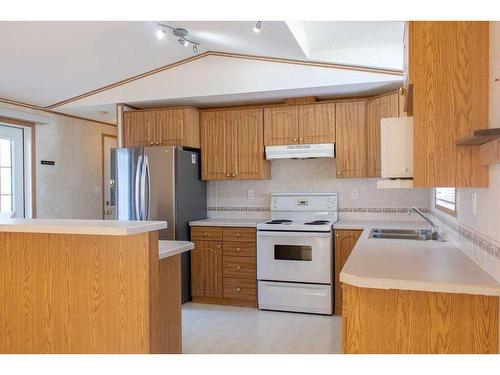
x,y
406,234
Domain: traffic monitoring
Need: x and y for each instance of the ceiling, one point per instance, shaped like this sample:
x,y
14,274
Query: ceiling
x,y
49,62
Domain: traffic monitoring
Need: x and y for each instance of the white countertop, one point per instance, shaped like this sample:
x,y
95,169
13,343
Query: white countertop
x,y
226,222
96,227
171,248
412,265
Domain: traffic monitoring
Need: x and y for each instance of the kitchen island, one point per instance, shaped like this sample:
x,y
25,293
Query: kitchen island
x,y
87,286
409,296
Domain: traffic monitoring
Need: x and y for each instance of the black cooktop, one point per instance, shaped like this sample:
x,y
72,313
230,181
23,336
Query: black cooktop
x,y
282,221
317,222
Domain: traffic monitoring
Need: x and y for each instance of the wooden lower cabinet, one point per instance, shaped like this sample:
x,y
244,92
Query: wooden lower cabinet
x,y
223,266
345,240
394,321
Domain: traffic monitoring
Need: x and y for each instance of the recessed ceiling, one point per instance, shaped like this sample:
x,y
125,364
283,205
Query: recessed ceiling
x,y
49,62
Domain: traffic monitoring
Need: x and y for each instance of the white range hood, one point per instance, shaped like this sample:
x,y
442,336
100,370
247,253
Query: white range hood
x,y
323,150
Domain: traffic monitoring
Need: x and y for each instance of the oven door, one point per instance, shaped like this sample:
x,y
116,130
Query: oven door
x,y
294,256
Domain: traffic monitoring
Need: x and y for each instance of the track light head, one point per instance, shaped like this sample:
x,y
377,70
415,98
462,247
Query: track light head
x,y
195,48
184,42
257,27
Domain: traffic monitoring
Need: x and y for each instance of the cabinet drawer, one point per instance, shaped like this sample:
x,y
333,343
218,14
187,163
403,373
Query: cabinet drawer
x,y
240,249
243,289
239,267
206,233
240,234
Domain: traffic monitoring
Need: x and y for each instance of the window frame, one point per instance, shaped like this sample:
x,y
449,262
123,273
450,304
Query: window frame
x,y
443,208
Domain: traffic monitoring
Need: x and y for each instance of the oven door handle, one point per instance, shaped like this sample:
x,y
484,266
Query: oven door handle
x,y
294,234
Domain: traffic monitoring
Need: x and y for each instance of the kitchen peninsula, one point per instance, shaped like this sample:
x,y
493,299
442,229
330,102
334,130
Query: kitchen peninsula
x,y
88,286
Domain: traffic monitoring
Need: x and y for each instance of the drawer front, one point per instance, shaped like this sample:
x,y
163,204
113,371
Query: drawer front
x,y
240,249
239,234
243,289
239,267
206,234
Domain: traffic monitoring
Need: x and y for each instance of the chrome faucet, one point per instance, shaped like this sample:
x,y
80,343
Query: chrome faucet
x,y
434,227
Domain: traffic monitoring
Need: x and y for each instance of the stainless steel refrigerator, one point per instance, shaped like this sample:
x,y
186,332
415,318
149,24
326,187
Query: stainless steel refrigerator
x,y
160,183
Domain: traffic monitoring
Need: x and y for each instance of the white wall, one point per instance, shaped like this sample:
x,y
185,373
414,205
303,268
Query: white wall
x,y
308,175
72,188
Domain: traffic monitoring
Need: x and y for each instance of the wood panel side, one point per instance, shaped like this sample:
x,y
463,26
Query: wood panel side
x,y
450,73
75,293
414,322
170,305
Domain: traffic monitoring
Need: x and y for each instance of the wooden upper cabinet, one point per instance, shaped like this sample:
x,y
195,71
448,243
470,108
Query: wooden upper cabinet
x,y
206,269
169,127
138,127
377,109
281,125
317,123
351,145
165,127
232,145
213,131
246,144
345,240
448,69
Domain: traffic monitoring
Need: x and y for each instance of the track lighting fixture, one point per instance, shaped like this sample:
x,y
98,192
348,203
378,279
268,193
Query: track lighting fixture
x,y
257,27
179,33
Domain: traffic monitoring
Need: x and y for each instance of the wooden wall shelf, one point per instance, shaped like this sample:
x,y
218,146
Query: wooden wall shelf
x,y
480,136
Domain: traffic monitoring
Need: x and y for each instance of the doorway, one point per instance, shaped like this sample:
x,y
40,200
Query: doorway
x,y
109,141
12,200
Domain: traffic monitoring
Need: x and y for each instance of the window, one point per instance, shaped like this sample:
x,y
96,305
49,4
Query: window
x,y
11,171
446,200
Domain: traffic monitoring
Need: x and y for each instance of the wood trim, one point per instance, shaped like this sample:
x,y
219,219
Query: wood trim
x,y
224,301
32,126
45,109
104,135
395,72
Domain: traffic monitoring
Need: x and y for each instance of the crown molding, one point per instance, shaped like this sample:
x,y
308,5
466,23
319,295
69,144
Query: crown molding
x,y
47,110
395,72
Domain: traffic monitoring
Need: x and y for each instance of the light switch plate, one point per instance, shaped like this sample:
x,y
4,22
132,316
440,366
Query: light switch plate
x,y
474,203
354,194
250,194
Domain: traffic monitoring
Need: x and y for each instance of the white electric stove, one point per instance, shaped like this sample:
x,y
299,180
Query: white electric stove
x,y
295,253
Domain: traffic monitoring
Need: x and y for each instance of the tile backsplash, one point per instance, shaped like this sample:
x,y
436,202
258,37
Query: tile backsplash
x,y
253,198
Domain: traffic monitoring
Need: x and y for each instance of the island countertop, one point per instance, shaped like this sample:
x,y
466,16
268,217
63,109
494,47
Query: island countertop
x,y
92,227
412,265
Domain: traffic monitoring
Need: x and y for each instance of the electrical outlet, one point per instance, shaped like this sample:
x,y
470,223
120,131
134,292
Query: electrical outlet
x,y
474,203
354,194
250,194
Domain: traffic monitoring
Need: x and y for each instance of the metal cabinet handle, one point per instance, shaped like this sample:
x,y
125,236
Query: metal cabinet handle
x,y
151,143
238,268
237,234
205,234
238,249
295,139
233,175
218,246
339,173
228,175
301,139
337,235
238,290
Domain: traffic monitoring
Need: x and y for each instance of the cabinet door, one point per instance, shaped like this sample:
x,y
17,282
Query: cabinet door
x,y
206,269
213,128
245,144
138,128
351,153
169,127
345,240
281,126
317,123
378,108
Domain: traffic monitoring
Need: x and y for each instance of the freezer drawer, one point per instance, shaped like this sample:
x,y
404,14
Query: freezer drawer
x,y
308,298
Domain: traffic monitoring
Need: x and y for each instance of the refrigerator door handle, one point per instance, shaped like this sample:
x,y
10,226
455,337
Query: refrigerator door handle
x,y
147,181
138,173
143,189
